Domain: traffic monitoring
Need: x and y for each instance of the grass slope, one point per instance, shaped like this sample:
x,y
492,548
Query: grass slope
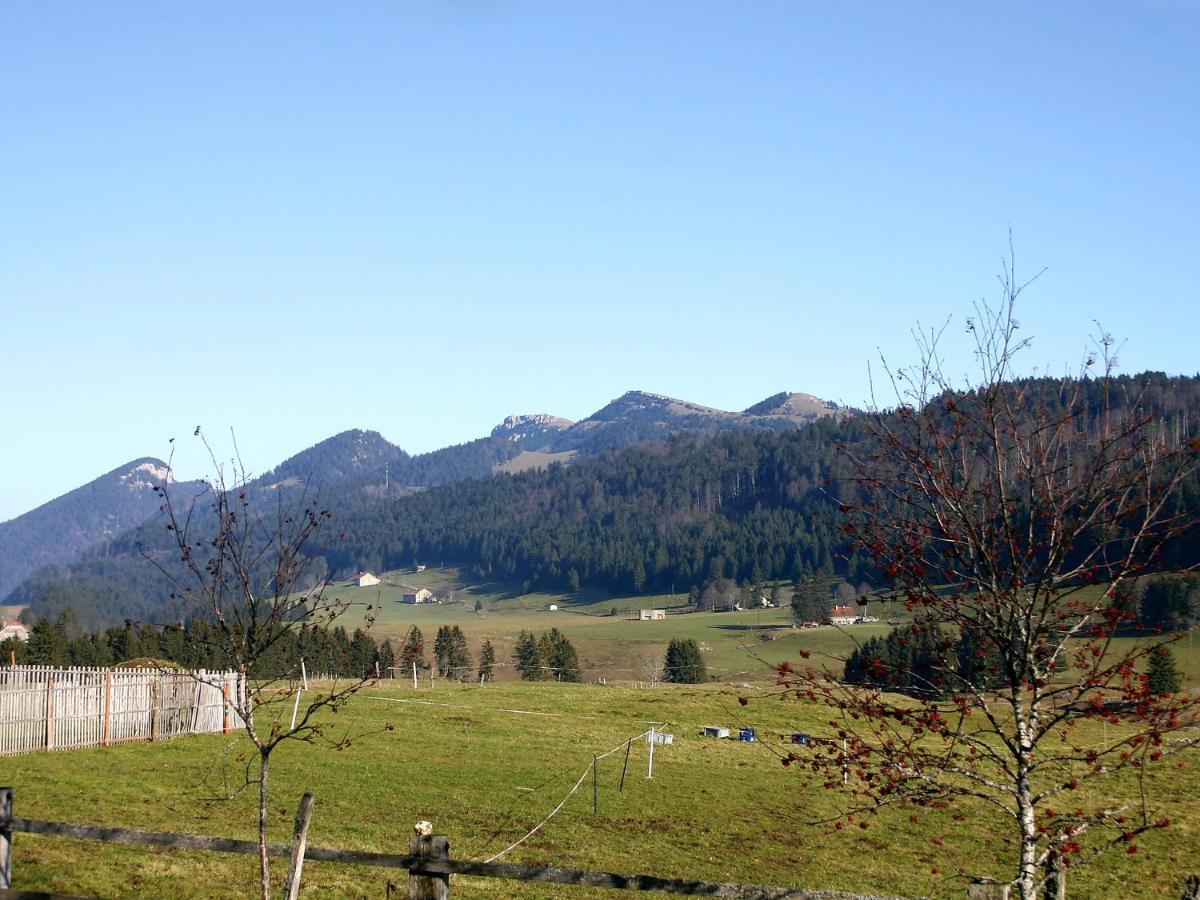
x,y
485,768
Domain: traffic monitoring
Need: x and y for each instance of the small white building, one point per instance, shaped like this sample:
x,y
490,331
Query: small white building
x,y
651,615
553,607
366,579
420,595
843,615
10,630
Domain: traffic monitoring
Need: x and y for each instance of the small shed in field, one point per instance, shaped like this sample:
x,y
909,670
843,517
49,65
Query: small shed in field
x,y
651,615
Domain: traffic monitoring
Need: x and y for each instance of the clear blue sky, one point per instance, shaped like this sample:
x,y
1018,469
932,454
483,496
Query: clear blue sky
x,y
420,217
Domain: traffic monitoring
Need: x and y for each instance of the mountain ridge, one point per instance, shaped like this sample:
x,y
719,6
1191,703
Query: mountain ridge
x,y
359,466
59,530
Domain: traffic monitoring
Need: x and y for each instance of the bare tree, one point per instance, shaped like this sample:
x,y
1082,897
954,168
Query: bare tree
x,y
1007,513
245,569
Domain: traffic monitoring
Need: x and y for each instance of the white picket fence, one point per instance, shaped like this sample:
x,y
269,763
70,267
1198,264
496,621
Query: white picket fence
x,y
48,708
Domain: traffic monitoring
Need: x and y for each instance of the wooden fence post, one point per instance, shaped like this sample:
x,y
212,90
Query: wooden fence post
x,y
5,838
1056,879
434,847
50,712
225,708
299,843
988,890
155,687
106,731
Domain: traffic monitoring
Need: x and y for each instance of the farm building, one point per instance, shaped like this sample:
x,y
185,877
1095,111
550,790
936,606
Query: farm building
x,y
842,615
366,579
651,615
420,595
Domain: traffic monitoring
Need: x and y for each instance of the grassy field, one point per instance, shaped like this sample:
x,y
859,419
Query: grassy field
x,y
487,764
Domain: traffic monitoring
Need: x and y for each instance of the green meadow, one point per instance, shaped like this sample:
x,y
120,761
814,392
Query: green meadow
x,y
486,764
738,646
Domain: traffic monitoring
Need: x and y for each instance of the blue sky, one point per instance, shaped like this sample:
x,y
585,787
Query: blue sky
x,y
421,217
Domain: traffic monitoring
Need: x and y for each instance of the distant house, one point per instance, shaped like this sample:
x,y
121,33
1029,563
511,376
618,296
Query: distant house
x,y
366,579
651,615
842,615
420,568
420,595
13,630
553,607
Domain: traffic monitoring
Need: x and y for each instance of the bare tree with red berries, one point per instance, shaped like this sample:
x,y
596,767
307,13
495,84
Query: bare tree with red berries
x,y
1007,513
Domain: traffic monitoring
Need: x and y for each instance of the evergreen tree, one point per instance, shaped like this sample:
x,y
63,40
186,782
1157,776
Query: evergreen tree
x,y
810,598
412,650
454,659
1163,677
559,656
385,658
487,661
684,663
362,655
441,651
527,657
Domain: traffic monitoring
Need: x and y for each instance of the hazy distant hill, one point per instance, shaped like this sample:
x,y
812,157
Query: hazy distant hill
x,y
60,531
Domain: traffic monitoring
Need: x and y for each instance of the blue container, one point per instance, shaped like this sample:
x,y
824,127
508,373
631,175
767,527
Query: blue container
x,y
801,738
747,734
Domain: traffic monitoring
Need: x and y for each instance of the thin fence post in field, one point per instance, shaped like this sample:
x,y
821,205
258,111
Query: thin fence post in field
x,y
424,885
624,768
595,787
225,708
5,838
106,729
299,843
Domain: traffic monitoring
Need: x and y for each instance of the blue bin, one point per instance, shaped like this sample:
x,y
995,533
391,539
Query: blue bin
x,y
747,734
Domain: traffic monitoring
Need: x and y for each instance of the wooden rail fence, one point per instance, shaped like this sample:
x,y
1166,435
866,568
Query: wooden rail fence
x,y
428,861
48,708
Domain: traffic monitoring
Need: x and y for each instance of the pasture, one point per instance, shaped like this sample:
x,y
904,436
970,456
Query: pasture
x,y
486,764
738,646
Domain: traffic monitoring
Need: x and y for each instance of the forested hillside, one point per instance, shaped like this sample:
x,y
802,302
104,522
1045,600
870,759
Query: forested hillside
x,y
59,531
748,506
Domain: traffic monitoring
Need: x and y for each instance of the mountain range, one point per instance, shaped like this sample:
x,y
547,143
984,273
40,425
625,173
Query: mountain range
x,y
658,495
358,467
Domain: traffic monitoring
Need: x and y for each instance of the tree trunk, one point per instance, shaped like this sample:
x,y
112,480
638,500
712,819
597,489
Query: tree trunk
x,y
1026,883
264,758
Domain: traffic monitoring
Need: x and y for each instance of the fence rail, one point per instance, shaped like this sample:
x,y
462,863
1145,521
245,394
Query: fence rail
x,y
49,708
428,861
